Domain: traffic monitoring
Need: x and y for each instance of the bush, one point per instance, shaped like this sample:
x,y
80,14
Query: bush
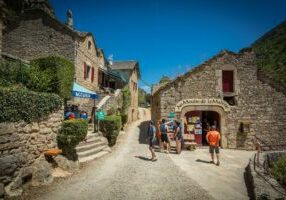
x,y
124,119
279,170
12,73
18,103
110,127
51,74
70,135
126,99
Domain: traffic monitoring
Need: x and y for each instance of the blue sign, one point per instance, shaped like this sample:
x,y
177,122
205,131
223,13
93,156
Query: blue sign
x,y
84,95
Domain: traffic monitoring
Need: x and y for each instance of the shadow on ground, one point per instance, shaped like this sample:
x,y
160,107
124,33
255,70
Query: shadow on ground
x,y
143,158
143,126
203,161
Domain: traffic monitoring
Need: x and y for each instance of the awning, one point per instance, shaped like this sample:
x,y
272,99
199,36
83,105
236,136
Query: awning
x,y
82,92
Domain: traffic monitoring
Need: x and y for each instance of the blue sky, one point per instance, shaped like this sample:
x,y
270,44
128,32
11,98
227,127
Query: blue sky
x,y
168,37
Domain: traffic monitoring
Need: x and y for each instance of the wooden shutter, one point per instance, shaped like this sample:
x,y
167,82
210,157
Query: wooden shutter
x,y
84,70
227,81
92,74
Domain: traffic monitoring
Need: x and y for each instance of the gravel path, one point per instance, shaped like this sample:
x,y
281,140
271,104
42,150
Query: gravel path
x,y
127,173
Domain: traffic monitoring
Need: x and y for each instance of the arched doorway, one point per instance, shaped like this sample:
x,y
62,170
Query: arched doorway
x,y
210,111
199,122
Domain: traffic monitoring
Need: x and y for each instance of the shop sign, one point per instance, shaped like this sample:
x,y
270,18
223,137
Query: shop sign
x,y
100,115
202,102
171,115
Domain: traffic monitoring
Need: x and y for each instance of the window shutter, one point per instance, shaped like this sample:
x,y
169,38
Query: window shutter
x,y
84,70
92,74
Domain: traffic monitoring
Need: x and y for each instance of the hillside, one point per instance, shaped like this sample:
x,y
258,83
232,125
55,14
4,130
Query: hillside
x,y
271,54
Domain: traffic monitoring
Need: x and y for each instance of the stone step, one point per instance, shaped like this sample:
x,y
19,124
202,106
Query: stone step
x,y
88,146
91,151
93,157
90,140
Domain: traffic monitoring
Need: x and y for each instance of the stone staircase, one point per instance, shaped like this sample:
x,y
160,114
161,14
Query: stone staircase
x,y
94,147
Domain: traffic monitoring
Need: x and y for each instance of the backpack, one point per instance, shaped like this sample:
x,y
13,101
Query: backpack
x,y
180,131
163,129
151,131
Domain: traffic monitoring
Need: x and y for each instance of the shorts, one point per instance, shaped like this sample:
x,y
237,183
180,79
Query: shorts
x,y
165,138
151,142
214,148
179,137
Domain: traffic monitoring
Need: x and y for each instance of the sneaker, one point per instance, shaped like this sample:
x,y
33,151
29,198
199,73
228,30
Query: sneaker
x,y
154,159
218,163
212,162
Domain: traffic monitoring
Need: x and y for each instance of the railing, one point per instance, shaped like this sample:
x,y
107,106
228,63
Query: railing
x,y
262,169
261,145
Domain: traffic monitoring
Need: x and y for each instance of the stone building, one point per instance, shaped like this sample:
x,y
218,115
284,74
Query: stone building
x,y
129,70
225,91
38,33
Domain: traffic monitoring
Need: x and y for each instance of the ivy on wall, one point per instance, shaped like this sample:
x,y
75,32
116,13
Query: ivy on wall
x,y
51,74
18,103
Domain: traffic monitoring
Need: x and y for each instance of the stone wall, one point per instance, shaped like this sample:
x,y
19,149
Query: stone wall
x,y
87,55
257,103
133,87
33,36
22,143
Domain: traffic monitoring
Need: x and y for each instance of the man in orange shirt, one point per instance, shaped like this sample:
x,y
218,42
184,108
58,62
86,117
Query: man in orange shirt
x,y
213,138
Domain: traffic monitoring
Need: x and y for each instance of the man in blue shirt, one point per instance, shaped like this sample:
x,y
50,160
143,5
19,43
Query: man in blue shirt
x,y
151,133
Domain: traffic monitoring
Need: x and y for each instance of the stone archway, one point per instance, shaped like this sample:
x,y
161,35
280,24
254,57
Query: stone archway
x,y
220,106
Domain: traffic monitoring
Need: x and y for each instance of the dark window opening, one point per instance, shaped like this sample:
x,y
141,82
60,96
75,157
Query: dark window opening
x,y
89,45
227,81
88,71
230,100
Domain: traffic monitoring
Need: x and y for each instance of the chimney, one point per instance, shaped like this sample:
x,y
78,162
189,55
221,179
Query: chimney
x,y
69,18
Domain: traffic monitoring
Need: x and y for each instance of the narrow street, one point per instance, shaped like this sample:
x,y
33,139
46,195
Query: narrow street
x,y
128,174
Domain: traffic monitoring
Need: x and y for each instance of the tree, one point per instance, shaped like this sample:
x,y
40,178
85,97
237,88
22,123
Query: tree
x,y
164,79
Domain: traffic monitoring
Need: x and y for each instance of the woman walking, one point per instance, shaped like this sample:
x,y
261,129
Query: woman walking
x,y
178,137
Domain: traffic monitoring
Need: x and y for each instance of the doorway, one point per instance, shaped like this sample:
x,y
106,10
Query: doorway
x,y
199,122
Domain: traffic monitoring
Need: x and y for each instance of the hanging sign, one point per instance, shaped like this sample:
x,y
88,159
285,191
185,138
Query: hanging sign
x,y
202,102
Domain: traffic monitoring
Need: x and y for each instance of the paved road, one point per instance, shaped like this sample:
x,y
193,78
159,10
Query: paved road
x,y
128,174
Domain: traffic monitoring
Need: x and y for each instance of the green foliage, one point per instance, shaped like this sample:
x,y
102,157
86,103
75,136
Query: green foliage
x,y
164,79
110,127
124,119
18,103
143,97
279,170
51,74
70,135
126,99
12,73
271,53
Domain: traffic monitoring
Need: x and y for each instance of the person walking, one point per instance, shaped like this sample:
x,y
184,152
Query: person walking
x,y
178,137
213,138
151,139
158,135
164,135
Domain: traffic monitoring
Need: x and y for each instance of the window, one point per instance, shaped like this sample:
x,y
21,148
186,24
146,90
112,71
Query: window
x,y
86,71
230,100
227,81
89,45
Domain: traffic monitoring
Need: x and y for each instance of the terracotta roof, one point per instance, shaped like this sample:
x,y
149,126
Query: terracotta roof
x,y
199,68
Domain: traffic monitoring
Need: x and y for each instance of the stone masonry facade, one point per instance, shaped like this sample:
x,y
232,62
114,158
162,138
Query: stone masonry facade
x,y
22,143
257,103
133,87
33,37
37,34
